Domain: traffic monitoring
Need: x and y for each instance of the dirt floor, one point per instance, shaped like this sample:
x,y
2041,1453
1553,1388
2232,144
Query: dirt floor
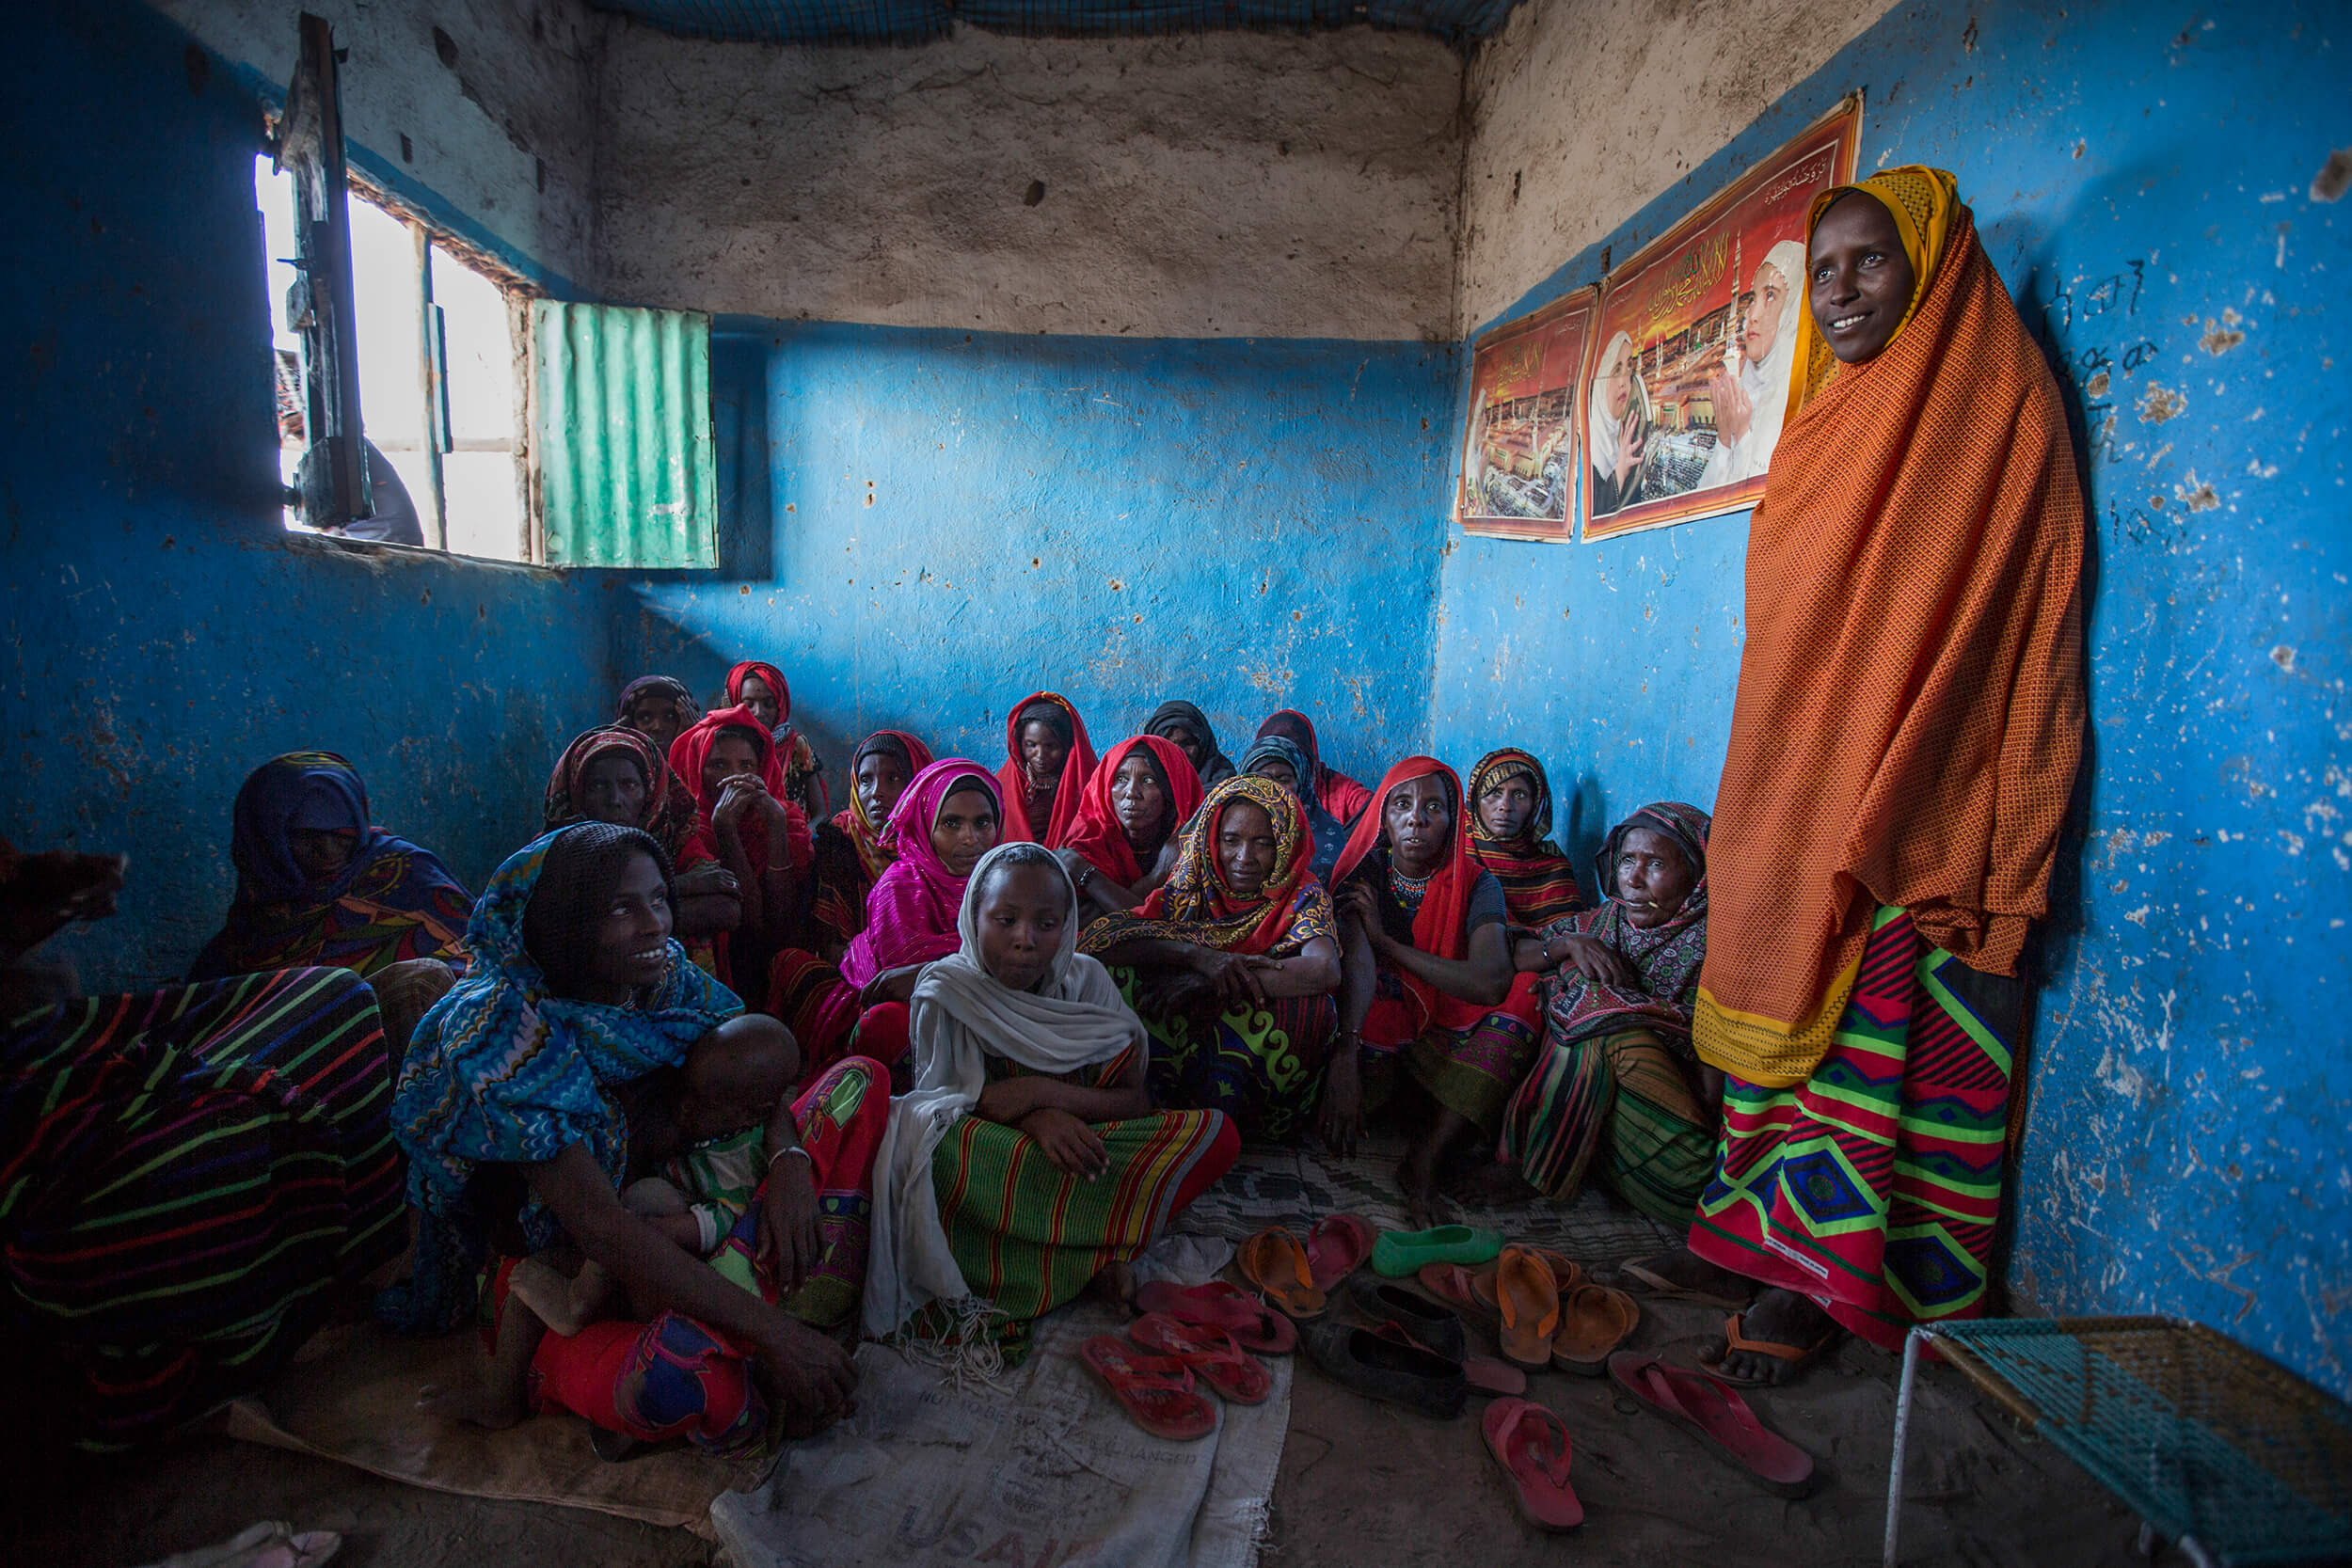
x,y
1361,1483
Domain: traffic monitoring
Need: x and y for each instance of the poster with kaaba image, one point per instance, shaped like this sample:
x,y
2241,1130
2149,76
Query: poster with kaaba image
x,y
1521,456
1681,400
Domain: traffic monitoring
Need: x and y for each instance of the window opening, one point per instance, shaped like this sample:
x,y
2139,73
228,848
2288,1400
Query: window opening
x,y
436,376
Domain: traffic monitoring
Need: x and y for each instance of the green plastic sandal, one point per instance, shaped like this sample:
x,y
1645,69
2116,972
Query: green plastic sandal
x,y
1398,1253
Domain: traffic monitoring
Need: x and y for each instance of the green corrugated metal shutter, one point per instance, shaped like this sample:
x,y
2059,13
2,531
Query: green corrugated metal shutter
x,y
621,436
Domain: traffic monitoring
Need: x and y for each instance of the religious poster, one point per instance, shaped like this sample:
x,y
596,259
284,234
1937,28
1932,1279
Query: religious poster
x,y
1681,404
1520,458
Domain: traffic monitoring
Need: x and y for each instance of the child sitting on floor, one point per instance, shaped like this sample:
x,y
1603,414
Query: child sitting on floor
x,y
709,1122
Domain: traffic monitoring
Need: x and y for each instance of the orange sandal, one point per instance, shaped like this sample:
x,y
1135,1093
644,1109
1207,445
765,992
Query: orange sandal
x,y
1156,1390
1594,1321
1276,1265
1529,1304
1797,1357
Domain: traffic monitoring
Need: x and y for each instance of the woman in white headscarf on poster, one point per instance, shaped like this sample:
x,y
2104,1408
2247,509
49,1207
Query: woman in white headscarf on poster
x,y
1749,406
1618,422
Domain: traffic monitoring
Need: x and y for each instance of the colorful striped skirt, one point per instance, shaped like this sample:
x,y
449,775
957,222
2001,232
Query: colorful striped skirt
x,y
821,1008
1261,1066
1029,1237
1874,1186
1471,1071
185,1177
1619,1107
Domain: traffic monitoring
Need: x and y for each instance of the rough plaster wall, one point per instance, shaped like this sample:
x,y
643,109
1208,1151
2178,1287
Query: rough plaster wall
x,y
1226,186
1583,111
160,633
2144,183
922,528
497,139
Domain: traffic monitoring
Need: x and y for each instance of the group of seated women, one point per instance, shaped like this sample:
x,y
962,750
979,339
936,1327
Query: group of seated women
x,y
710,1068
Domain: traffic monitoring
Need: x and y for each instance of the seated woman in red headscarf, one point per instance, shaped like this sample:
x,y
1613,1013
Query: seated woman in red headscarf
x,y
947,817
1430,992
742,822
1903,747
1341,796
1124,841
1232,961
613,774
1510,829
849,853
760,687
1046,768
318,883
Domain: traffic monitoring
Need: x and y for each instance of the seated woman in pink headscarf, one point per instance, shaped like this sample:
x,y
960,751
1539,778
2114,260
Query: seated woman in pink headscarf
x,y
950,815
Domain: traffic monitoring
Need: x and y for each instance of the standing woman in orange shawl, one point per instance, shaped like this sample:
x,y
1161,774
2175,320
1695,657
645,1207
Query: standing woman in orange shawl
x,y
1047,765
1429,989
1903,746
1510,829
759,685
1232,962
849,850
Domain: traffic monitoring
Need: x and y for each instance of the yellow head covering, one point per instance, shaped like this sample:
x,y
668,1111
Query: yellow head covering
x,y
1922,201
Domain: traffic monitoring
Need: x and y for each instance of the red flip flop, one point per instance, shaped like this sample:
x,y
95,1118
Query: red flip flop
x,y
1156,1390
1468,1290
1221,1304
1337,1247
1705,1404
1532,1444
1211,1354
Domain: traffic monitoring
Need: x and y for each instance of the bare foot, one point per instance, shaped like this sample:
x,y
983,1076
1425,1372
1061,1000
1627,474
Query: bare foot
x,y
1687,1269
539,1286
1417,1178
1783,1318
1115,1284
479,1406
1493,1185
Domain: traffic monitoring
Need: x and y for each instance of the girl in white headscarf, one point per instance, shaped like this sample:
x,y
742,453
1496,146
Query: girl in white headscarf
x,y
1748,426
1617,420
1027,1161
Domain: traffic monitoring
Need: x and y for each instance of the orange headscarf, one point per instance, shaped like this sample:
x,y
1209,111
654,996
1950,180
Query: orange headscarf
x,y
1097,833
1076,770
1909,711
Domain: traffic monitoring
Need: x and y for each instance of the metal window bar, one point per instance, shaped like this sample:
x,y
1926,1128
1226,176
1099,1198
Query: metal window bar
x,y
2228,1454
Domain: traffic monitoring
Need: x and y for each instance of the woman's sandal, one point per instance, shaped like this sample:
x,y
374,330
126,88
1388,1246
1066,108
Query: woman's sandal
x,y
1468,1292
1211,1354
1707,1405
1796,1356
1528,1302
1221,1304
1658,1285
1156,1390
1275,1262
1337,1247
1594,1321
1531,1444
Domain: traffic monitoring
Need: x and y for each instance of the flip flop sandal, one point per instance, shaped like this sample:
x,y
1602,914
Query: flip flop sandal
x,y
1398,1253
1567,1273
1528,1304
1221,1304
1336,1248
1706,1406
1468,1292
1594,1322
1531,1444
1213,1356
1796,1356
1275,1262
1156,1390
1666,1290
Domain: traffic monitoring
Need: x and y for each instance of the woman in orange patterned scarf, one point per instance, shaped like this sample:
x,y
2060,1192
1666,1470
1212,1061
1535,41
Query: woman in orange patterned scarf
x,y
1232,962
849,851
1903,747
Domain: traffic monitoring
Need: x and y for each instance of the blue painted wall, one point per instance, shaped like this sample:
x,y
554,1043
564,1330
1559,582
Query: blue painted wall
x,y
2141,177
925,527
161,634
